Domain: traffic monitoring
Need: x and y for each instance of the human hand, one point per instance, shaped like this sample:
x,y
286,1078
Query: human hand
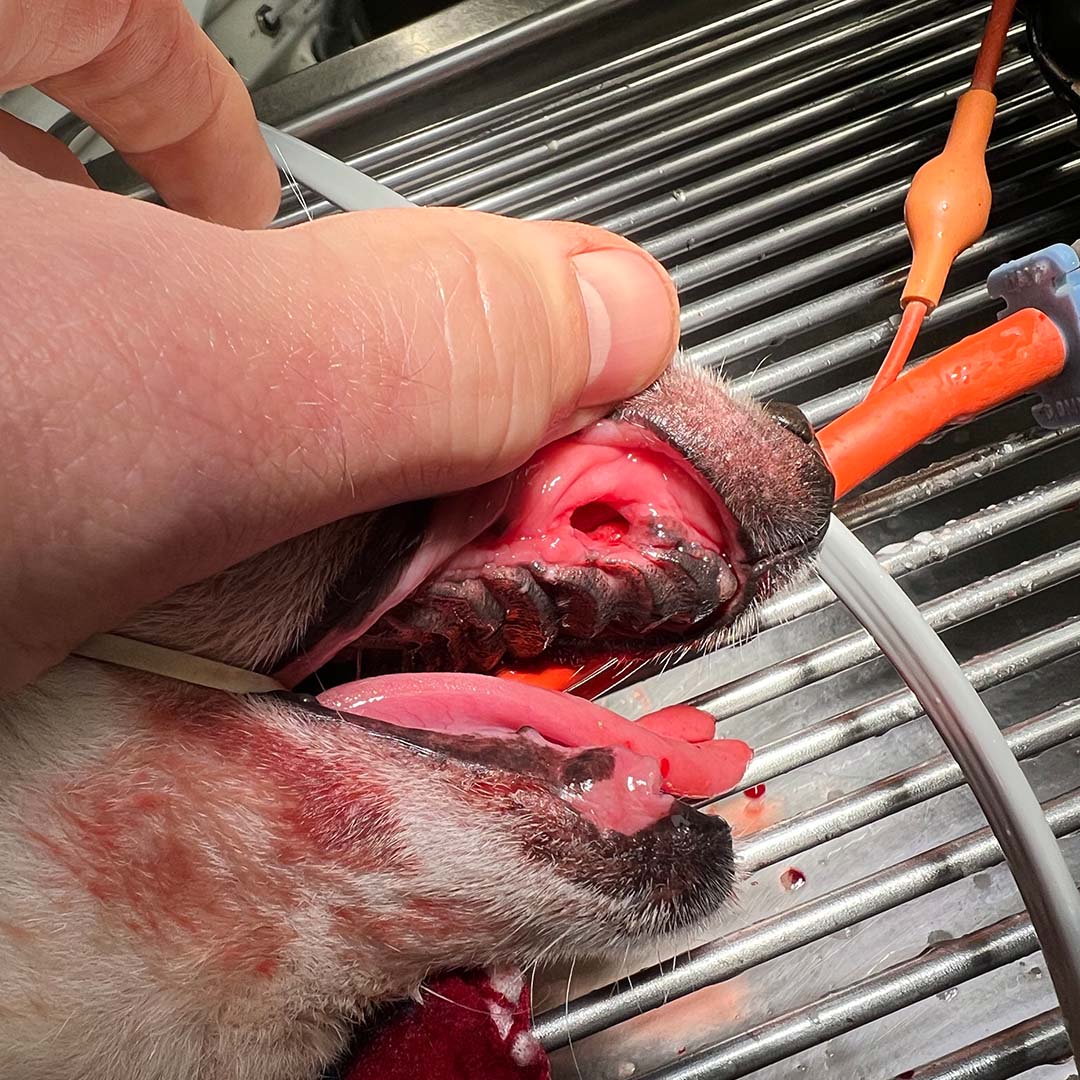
x,y
181,394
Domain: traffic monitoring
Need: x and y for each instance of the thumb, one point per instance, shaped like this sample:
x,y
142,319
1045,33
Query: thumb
x,y
462,341
186,395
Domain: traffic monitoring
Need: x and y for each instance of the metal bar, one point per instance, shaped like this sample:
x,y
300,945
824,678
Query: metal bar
x,y
897,792
826,408
951,609
943,966
787,931
982,526
777,330
829,261
819,740
543,113
952,538
457,140
740,258
869,164
961,718
604,92
598,162
547,147
856,347
846,214
469,56
1039,1041
944,477
778,133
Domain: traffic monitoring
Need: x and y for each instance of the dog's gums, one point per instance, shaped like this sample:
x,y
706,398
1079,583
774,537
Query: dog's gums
x,y
203,885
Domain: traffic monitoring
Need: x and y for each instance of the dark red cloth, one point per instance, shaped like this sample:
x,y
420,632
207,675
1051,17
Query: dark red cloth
x,y
472,1026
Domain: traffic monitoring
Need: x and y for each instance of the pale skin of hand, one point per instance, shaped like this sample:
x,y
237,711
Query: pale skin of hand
x,y
183,390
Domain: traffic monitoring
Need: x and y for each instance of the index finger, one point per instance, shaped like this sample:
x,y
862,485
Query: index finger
x,y
146,77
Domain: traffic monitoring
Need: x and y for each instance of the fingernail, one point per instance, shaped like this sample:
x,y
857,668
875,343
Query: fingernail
x,y
633,318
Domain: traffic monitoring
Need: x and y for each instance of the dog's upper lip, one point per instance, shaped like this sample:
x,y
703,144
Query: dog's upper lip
x,y
454,523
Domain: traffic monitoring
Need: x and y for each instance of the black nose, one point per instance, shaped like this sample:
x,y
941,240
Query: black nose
x,y
788,416
821,485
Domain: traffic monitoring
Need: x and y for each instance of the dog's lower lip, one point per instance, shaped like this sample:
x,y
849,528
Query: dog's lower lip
x,y
650,766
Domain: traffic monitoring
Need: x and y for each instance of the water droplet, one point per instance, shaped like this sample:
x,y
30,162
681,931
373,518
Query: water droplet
x,y
552,144
755,792
792,879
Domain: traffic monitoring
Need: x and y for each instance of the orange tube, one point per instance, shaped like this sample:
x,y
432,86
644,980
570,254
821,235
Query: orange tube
x,y
986,369
901,347
589,679
993,44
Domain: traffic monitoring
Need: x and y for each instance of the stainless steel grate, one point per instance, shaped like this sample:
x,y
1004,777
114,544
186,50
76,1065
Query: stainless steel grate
x,y
763,153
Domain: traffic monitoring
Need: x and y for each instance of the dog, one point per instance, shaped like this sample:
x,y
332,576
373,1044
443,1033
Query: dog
x,y
203,884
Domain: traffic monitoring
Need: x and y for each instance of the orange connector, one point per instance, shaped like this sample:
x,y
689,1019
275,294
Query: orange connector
x,y
986,369
948,205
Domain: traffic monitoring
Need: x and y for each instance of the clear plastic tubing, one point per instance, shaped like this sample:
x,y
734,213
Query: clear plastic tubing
x,y
902,634
973,738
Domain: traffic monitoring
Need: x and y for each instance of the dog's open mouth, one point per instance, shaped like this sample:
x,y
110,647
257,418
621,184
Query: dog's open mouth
x,y
631,537
606,541
609,539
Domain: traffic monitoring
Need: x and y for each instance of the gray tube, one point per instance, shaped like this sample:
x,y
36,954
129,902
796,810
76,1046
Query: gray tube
x,y
342,185
974,740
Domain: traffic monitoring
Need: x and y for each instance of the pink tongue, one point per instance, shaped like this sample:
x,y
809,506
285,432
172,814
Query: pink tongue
x,y
478,704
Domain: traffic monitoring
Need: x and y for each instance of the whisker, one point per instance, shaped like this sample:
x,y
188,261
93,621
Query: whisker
x,y
290,179
569,1040
450,1001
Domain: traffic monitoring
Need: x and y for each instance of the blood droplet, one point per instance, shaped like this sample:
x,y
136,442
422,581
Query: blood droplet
x,y
792,879
755,792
